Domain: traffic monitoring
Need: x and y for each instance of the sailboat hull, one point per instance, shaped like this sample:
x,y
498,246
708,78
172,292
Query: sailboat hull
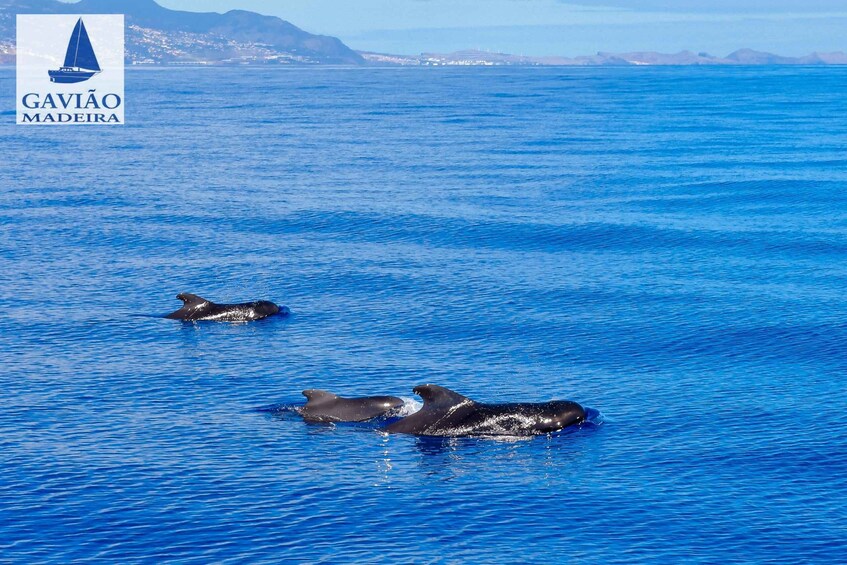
x,y
67,77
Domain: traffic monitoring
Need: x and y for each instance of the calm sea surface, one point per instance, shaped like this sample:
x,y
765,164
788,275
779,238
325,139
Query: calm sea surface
x,y
665,246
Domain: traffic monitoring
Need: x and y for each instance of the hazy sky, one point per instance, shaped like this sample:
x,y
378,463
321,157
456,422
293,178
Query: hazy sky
x,y
554,27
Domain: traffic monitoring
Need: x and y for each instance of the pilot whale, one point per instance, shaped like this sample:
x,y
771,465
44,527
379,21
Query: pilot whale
x,y
324,406
448,413
196,308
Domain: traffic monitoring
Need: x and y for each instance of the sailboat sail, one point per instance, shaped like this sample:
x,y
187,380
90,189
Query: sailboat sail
x,y
80,53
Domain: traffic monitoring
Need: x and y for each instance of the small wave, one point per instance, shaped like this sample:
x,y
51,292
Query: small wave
x,y
410,406
278,408
593,417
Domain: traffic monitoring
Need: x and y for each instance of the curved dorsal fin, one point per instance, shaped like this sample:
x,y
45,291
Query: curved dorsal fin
x,y
315,396
192,299
434,395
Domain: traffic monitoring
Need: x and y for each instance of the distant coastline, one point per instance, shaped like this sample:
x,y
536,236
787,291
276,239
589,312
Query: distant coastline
x,y
473,58
741,57
157,36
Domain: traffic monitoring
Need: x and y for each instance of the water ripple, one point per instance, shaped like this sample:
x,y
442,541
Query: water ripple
x,y
663,245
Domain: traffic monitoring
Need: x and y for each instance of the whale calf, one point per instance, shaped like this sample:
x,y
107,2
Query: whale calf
x,y
448,413
324,406
197,308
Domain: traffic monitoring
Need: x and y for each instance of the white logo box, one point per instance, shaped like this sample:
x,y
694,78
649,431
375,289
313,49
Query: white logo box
x,y
49,92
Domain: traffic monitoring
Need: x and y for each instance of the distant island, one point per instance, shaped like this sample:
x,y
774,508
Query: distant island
x,y
159,36
638,58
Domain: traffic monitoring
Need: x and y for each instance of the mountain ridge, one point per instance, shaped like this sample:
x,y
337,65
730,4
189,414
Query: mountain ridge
x,y
156,34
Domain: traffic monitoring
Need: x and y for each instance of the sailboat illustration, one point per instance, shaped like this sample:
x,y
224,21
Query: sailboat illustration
x,y
80,61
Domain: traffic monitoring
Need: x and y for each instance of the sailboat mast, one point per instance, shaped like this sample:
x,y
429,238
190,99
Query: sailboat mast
x,y
78,35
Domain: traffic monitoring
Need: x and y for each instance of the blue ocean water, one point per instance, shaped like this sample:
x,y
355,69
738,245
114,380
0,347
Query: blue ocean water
x,y
666,246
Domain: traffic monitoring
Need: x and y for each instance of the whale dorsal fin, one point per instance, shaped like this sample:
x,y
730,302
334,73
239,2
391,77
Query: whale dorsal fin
x,y
316,396
434,395
192,300
443,409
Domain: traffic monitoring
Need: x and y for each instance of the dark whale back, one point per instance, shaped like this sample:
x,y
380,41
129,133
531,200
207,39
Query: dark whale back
x,y
448,413
442,410
524,418
325,406
196,308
